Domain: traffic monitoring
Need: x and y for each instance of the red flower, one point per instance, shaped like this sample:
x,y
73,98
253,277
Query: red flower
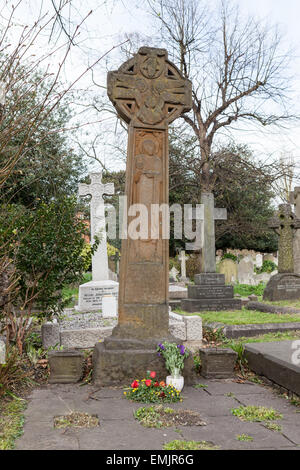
x,y
134,384
162,394
162,383
148,382
152,374
156,384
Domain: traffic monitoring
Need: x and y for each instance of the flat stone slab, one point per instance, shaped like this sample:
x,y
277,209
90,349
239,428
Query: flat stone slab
x,y
210,292
268,308
238,331
119,430
177,292
278,361
196,305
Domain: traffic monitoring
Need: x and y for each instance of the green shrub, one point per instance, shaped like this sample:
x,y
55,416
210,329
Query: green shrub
x,y
230,256
245,289
268,266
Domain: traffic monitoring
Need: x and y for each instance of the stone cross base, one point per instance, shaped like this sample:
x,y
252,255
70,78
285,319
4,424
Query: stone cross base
x,y
122,366
91,293
210,293
283,286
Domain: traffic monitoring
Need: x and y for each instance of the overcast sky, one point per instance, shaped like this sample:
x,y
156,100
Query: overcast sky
x,y
113,18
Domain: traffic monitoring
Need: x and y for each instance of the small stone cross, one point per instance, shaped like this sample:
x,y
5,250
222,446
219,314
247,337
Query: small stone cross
x,y
182,258
205,238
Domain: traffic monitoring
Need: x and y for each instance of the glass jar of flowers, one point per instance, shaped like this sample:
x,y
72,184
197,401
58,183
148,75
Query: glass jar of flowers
x,y
174,356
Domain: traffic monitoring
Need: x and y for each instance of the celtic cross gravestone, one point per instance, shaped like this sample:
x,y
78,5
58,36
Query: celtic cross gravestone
x,y
148,92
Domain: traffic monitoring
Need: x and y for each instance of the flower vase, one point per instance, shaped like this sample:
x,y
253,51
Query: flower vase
x,y
175,379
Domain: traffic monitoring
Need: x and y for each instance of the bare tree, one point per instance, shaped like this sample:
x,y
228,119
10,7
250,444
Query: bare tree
x,y
237,67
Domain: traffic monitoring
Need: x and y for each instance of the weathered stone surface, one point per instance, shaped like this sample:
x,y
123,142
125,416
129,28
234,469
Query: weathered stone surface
x,y
2,352
210,279
193,325
65,366
275,361
262,307
295,199
121,366
253,297
177,292
84,338
178,330
238,331
283,286
284,224
210,292
196,305
50,334
217,363
246,271
148,92
229,268
91,293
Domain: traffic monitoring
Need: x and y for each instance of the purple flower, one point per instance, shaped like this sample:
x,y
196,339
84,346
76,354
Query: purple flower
x,y
181,347
161,346
159,354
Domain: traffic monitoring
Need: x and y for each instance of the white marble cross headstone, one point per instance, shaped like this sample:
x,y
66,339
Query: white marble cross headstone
x,y
96,189
205,239
182,258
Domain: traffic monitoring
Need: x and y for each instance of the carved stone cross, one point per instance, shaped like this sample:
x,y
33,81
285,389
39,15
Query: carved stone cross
x,y
295,199
96,189
284,224
148,92
205,238
182,258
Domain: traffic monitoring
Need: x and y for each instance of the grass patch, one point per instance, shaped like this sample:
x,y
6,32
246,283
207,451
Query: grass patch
x,y
244,437
189,445
11,422
76,419
273,427
245,289
200,386
243,317
256,413
159,416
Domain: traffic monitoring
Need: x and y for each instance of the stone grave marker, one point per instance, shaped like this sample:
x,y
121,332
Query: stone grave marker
x,y
173,274
259,260
286,284
229,268
245,270
295,199
148,92
91,293
183,258
209,291
2,352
